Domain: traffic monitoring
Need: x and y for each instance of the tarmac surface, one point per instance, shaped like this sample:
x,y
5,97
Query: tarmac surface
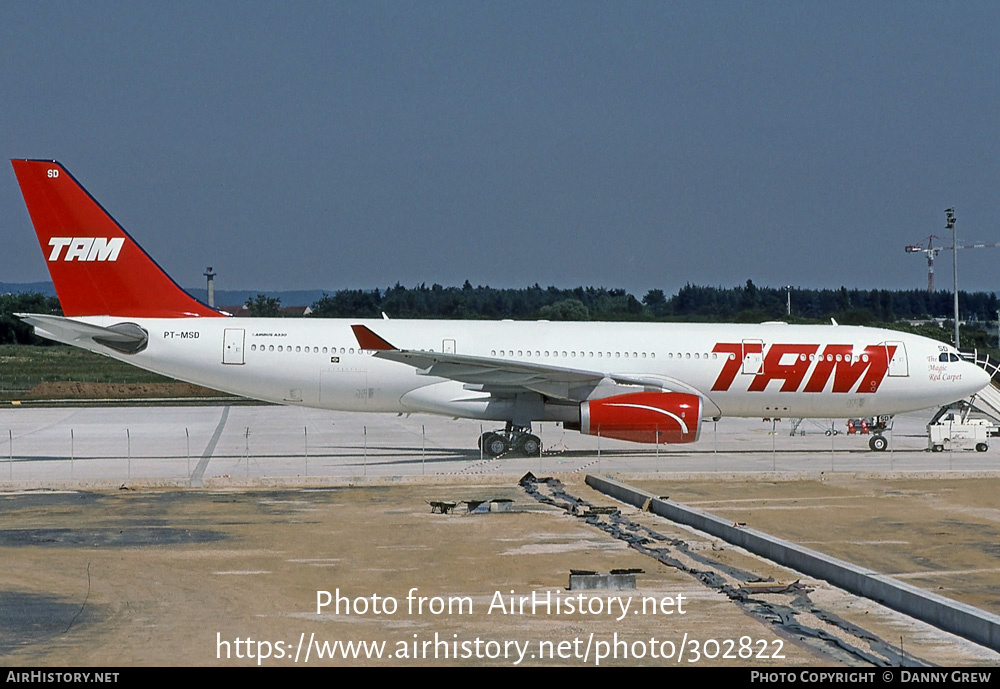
x,y
210,536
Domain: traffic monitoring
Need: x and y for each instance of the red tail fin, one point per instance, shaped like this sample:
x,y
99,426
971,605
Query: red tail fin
x,y
97,268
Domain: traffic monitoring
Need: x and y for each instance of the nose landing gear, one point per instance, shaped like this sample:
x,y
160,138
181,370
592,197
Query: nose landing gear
x,y
878,443
877,426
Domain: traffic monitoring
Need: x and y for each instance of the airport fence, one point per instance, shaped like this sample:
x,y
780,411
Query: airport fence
x,y
198,444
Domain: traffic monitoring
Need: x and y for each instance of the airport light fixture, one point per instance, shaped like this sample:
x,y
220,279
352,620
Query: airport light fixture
x,y
949,214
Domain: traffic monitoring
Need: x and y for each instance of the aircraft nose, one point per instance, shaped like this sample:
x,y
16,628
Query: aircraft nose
x,y
978,378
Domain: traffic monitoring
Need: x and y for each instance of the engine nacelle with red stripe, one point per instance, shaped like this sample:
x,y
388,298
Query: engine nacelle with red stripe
x,y
644,417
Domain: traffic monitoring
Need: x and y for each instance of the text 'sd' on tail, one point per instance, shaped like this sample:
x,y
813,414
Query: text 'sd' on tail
x,y
97,268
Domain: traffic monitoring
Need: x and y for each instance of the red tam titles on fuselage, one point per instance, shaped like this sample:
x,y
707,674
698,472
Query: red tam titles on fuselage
x,y
789,363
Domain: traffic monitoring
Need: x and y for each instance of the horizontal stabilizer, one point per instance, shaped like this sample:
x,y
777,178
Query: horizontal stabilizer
x,y
127,338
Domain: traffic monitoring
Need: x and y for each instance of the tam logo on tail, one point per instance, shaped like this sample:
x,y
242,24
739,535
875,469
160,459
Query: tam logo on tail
x,y
97,268
86,248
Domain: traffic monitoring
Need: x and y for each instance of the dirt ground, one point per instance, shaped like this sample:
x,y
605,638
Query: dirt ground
x,y
941,534
101,577
97,391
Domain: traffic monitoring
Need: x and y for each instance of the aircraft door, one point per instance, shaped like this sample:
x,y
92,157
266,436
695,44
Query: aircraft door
x,y
448,346
898,365
753,357
232,346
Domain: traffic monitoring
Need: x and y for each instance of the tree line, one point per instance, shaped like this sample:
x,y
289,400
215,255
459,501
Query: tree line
x,y
745,303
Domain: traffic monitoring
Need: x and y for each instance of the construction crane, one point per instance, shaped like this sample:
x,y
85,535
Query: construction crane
x,y
933,251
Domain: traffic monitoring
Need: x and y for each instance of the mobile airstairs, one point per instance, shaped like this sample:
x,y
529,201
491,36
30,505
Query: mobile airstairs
x,y
972,422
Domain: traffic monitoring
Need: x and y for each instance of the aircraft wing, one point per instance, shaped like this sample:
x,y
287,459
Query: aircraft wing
x,y
502,375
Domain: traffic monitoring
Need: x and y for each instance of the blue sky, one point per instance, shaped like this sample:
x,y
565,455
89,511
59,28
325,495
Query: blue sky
x,y
640,145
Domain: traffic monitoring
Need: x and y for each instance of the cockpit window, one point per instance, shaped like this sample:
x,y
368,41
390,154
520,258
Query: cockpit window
x,y
946,356
953,357
943,356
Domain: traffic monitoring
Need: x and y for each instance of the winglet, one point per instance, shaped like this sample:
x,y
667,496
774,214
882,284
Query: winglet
x,y
369,340
97,268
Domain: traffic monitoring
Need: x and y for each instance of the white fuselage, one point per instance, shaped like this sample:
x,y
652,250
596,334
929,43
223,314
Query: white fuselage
x,y
739,370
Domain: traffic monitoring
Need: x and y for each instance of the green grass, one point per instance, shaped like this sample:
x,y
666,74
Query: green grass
x,y
22,367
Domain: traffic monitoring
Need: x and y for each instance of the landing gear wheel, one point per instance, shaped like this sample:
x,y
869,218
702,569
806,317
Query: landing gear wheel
x,y
484,440
530,445
878,443
937,448
494,444
982,447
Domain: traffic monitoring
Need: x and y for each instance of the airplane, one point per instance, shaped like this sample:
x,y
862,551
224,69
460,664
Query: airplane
x,y
640,382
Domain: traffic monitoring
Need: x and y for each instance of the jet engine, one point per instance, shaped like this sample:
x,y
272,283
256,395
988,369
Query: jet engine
x,y
644,417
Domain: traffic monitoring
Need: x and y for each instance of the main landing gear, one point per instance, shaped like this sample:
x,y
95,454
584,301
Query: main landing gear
x,y
512,439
